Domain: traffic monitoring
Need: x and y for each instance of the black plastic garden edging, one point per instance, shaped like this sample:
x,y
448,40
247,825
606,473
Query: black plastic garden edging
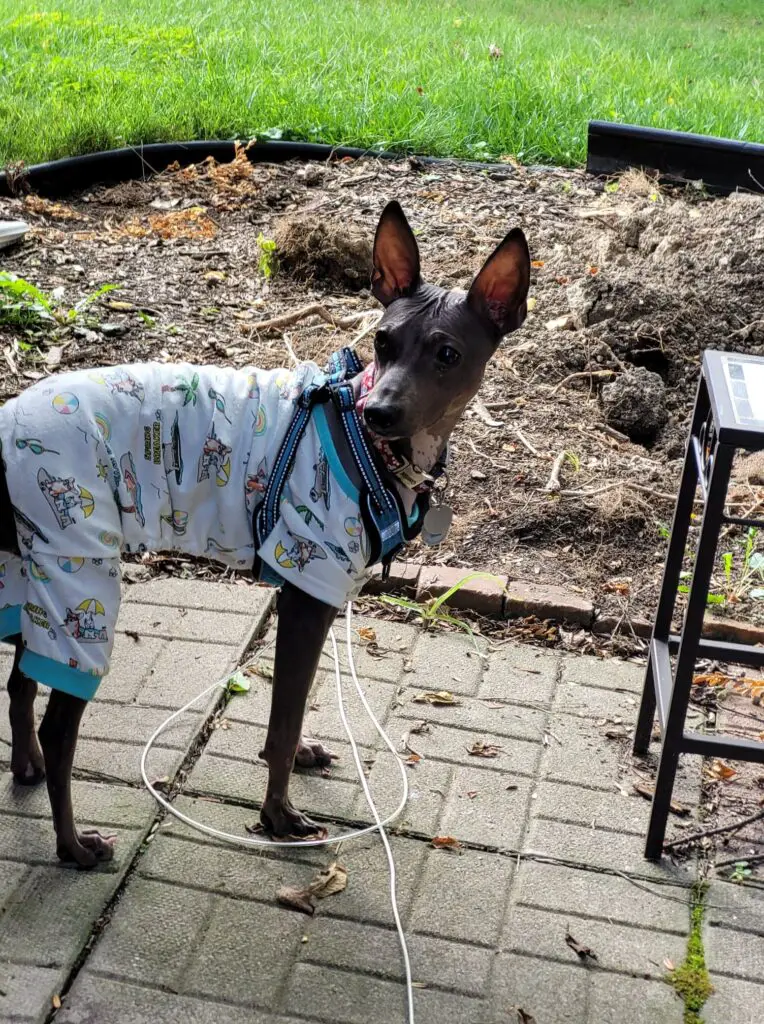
x,y
72,174
723,165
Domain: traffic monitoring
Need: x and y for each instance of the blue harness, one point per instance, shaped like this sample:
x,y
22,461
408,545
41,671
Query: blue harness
x,y
388,528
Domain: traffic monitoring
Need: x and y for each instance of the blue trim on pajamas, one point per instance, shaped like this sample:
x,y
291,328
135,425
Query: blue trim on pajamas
x,y
330,451
58,676
10,621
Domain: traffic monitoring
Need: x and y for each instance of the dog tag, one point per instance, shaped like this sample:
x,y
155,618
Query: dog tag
x,y
437,522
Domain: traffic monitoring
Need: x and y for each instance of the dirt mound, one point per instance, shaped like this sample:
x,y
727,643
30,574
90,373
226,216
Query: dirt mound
x,y
324,251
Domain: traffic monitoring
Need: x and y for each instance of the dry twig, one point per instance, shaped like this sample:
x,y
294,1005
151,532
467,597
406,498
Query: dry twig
x,y
524,441
718,830
552,485
314,309
591,374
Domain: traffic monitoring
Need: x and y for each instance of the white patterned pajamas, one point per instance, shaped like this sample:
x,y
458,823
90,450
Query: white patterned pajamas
x,y
159,457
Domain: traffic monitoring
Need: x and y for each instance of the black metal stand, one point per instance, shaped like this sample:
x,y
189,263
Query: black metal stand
x,y
729,414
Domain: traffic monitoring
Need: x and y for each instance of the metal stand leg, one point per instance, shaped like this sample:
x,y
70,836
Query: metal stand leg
x,y
721,466
646,716
672,570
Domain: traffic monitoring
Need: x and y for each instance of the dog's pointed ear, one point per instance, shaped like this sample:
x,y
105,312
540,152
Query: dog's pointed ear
x,y
499,292
395,272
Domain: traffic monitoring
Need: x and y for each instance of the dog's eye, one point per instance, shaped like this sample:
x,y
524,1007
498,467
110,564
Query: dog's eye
x,y
382,344
448,355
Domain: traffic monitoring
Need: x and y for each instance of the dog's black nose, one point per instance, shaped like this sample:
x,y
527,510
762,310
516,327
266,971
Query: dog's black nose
x,y
382,418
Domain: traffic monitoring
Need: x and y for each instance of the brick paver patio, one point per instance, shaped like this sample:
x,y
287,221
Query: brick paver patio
x,y
551,838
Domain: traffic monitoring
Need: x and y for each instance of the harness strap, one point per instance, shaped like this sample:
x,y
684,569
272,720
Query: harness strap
x,y
267,512
382,512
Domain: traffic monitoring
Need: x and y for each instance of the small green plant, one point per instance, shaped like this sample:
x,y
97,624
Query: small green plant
x,y
268,262
574,460
710,598
26,307
664,531
727,559
22,305
740,871
431,611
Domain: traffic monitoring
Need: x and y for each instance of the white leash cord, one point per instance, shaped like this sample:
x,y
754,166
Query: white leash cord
x,y
378,826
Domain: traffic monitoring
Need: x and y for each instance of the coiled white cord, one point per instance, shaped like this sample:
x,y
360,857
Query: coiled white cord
x,y
379,824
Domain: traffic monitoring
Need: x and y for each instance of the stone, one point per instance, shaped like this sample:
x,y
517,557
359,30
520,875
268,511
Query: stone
x,y
546,601
484,596
635,404
403,579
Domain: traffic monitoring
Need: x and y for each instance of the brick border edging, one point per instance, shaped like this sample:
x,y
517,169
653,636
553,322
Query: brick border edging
x,y
505,599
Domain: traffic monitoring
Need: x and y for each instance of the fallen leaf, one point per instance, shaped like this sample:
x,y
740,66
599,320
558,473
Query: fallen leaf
x,y
56,1001
531,304
479,749
439,697
329,881
238,683
720,770
295,899
413,759
616,587
44,207
583,952
594,270
668,964
261,668
538,264
445,843
365,633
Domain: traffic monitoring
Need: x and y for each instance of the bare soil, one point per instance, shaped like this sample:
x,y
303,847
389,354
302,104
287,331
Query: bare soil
x,y
626,275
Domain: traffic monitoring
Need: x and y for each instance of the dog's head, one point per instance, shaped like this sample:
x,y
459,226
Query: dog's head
x,y
432,345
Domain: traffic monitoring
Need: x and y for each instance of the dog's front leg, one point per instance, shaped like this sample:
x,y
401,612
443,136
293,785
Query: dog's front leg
x,y
303,623
58,736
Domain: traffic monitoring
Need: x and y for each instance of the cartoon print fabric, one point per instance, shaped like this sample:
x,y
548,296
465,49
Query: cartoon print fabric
x,y
158,457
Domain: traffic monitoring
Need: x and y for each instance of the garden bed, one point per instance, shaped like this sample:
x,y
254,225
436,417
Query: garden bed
x,y
625,275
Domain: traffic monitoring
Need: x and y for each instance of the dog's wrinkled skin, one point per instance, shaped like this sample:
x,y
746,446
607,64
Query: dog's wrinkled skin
x,y
431,350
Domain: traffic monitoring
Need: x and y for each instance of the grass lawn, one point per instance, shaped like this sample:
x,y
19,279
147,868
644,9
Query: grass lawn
x,y
82,75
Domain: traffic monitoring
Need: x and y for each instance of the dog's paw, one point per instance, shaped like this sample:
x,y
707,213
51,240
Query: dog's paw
x,y
312,754
30,775
27,765
89,849
283,821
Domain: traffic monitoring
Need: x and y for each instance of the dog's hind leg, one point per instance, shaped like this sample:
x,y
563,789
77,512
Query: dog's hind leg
x,y
58,735
302,628
27,763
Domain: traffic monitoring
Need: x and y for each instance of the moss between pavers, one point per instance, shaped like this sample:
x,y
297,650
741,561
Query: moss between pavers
x,y
691,979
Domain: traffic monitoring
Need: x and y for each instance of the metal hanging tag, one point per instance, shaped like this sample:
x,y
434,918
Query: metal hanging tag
x,y
437,522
